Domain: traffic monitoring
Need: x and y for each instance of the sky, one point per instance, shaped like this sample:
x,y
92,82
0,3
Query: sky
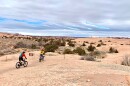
x,y
65,17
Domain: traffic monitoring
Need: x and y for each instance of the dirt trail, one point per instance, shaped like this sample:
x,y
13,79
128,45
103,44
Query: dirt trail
x,y
57,71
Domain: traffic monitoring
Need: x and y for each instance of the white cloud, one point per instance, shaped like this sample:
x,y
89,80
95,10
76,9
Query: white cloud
x,y
67,14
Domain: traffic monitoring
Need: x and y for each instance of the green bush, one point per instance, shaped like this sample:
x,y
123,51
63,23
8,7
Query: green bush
x,y
50,48
67,51
80,51
91,48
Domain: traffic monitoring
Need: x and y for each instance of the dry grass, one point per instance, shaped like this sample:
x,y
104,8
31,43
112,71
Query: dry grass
x,y
126,60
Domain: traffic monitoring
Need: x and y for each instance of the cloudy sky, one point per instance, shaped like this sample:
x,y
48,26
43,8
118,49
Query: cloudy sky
x,y
65,17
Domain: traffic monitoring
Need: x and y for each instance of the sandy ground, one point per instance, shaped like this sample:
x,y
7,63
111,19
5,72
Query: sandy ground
x,y
57,71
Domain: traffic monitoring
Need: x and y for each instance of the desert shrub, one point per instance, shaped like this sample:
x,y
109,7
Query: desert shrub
x,y
58,42
116,51
5,37
62,43
41,44
33,46
104,44
109,41
91,48
82,58
80,51
1,53
51,42
126,61
113,50
71,44
67,51
100,41
45,40
99,54
20,45
94,55
87,42
99,45
83,44
39,40
51,48
92,43
89,58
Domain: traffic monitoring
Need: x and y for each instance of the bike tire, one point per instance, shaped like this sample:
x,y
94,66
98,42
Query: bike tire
x,y
39,60
25,64
18,65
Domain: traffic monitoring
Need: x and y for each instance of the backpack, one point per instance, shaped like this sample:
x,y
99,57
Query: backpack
x,y
21,55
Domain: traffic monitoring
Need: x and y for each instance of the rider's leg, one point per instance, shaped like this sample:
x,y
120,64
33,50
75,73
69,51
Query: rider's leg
x,y
43,57
23,60
20,61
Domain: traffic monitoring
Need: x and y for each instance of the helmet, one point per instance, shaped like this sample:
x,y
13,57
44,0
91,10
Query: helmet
x,y
43,48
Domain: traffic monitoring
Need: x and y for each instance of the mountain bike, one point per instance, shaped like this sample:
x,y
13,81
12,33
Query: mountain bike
x,y
21,63
41,58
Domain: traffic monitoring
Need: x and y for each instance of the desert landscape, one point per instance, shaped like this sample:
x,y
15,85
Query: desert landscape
x,y
64,43
68,61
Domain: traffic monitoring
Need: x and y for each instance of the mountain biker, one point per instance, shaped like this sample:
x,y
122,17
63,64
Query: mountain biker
x,y
22,56
42,53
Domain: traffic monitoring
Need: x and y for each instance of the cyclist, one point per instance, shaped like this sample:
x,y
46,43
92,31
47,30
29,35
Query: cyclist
x,y
42,53
22,56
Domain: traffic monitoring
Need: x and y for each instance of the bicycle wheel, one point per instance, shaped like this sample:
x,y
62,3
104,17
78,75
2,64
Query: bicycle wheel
x,y
18,65
25,64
